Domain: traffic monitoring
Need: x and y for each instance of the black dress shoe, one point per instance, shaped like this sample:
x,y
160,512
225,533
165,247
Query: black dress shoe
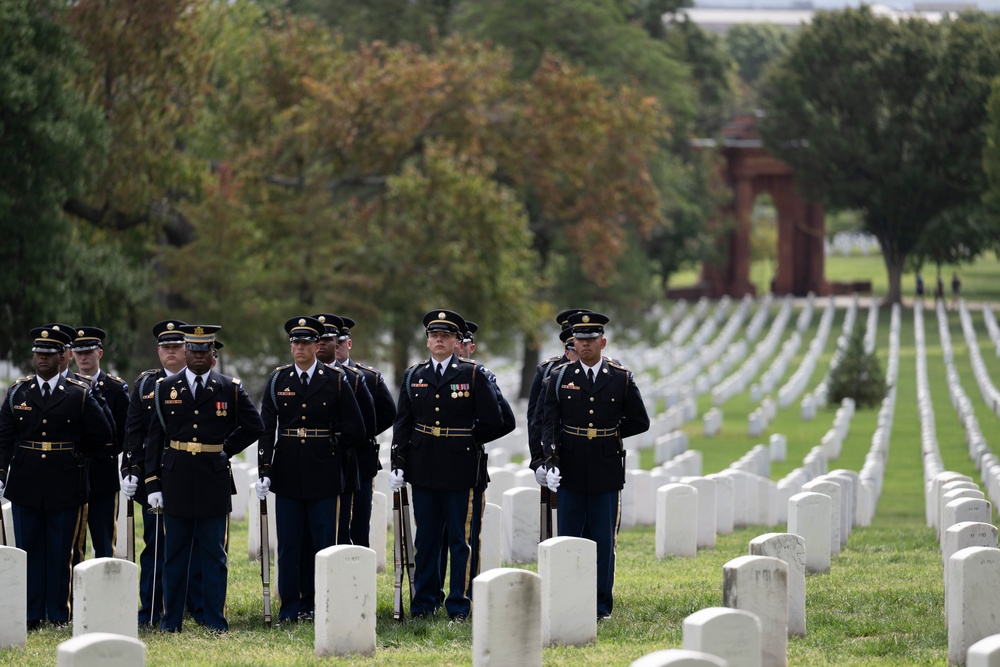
x,y
456,618
34,625
306,616
60,625
603,615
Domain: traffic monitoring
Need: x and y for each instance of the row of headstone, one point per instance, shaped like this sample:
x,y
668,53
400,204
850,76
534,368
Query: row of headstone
x,y
850,314
738,381
988,391
797,381
991,327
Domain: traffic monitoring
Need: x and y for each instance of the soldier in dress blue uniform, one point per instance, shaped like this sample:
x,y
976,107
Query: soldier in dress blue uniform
x,y
356,505
443,403
48,426
591,405
536,393
202,419
310,413
170,350
102,504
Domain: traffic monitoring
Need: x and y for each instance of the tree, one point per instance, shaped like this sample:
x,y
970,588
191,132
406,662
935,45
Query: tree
x,y
754,46
46,128
886,118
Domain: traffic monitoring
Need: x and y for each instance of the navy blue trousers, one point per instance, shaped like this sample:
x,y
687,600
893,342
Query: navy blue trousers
x,y
48,537
459,514
293,518
356,515
594,516
189,540
102,519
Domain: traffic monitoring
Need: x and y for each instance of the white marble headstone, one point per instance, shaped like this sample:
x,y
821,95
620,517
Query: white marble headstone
x,y
345,601
506,618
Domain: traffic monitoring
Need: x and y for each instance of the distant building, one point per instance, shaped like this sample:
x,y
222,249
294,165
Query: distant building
x,y
719,16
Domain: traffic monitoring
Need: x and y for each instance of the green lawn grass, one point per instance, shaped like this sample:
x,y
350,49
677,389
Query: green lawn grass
x,y
979,279
881,603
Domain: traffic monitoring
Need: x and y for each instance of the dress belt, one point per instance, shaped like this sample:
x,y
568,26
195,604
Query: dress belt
x,y
443,432
305,433
47,446
195,447
590,433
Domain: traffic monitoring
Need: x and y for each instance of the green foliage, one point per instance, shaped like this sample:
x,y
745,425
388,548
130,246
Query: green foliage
x,y
886,118
46,128
859,374
754,46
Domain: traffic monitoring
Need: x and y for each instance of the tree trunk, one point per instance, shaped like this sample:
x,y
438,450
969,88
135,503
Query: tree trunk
x,y
401,333
894,267
531,356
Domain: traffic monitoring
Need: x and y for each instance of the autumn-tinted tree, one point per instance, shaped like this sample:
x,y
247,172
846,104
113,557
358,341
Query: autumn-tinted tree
x,y
886,118
46,129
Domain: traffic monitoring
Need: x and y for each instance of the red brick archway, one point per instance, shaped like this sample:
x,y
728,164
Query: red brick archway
x,y
750,171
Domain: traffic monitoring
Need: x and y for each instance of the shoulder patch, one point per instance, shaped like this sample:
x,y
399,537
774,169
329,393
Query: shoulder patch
x,y
237,381
281,368
614,363
78,383
469,361
336,369
159,380
369,368
115,378
419,363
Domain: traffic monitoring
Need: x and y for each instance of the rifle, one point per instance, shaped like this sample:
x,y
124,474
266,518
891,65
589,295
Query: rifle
x,y
265,562
130,530
397,558
548,508
402,550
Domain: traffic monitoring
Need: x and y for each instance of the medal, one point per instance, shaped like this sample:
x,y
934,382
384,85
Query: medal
x,y
454,394
173,393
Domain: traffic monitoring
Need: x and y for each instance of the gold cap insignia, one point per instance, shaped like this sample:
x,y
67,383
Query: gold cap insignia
x,y
170,326
55,328
322,318
198,331
585,318
45,334
301,322
441,316
80,332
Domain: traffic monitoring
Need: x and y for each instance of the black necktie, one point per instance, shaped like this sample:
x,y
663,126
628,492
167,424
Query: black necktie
x,y
304,378
45,392
440,371
197,385
590,375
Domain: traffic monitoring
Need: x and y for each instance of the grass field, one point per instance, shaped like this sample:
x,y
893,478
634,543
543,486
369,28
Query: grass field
x,y
881,603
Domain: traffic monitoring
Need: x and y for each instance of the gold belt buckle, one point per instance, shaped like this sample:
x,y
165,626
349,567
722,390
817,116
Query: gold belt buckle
x,y
301,432
591,433
194,447
436,431
46,446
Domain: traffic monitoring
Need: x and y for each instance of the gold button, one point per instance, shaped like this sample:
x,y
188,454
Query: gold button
x,y
303,417
303,441
590,424
591,412
43,432
437,395
591,399
45,421
196,412
194,439
43,456
437,423
195,426
303,405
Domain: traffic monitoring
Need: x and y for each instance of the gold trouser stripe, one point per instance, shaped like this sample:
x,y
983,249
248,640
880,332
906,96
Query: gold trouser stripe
x,y
225,548
618,522
80,527
80,539
468,542
114,525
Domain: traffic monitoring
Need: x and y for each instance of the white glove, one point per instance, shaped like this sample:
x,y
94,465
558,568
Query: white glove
x,y
552,479
155,500
396,480
262,486
129,485
540,475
